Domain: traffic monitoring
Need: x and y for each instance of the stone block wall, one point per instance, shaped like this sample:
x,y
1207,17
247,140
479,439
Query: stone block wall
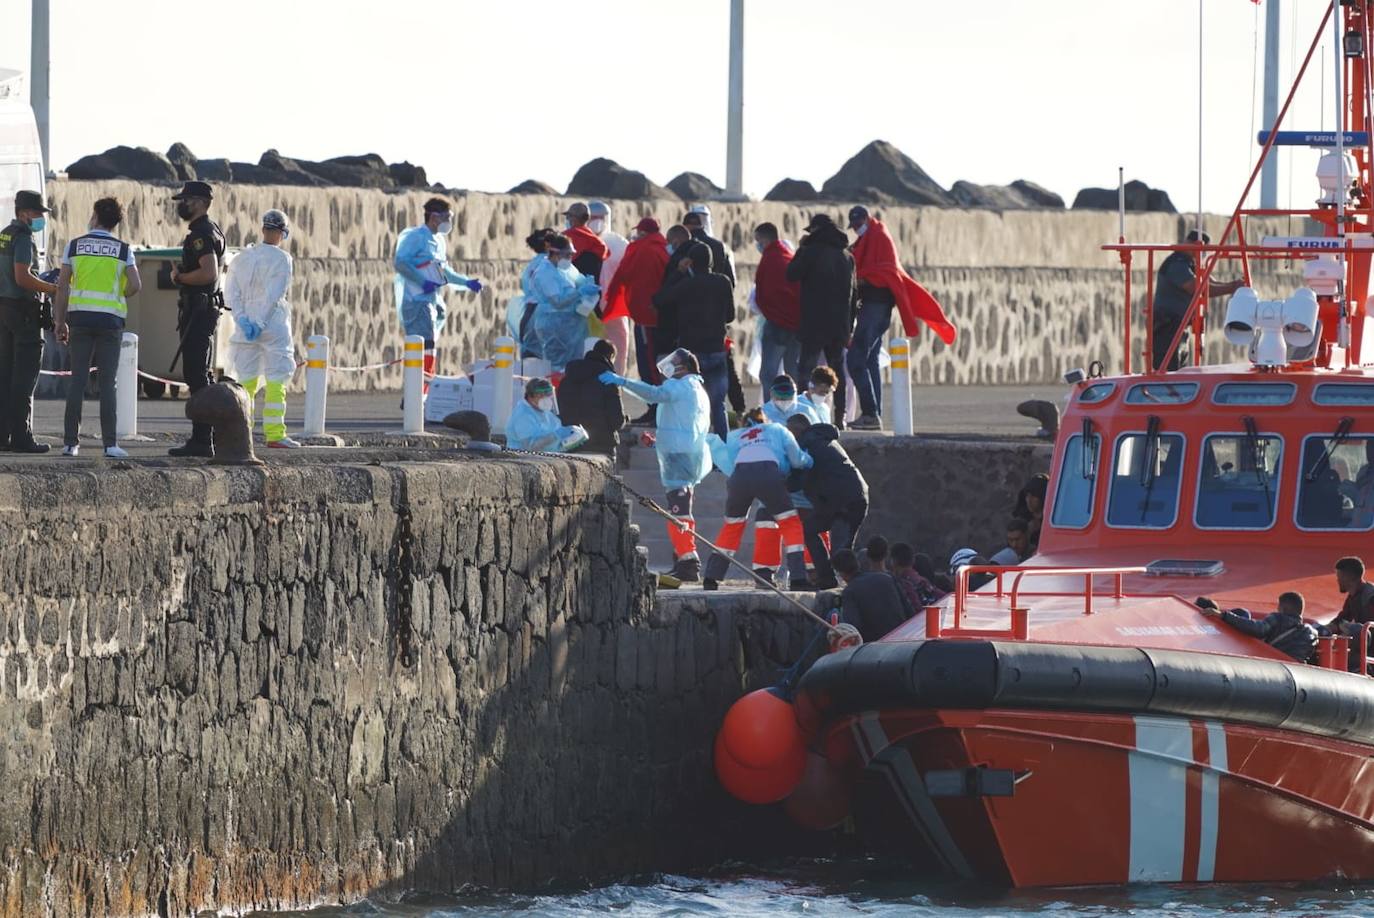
x,y
1031,291
244,689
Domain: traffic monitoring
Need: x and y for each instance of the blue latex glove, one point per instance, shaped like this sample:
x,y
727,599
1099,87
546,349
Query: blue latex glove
x,y
611,379
430,286
250,329
474,285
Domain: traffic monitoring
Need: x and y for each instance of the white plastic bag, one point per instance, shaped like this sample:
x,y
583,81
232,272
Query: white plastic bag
x,y
754,365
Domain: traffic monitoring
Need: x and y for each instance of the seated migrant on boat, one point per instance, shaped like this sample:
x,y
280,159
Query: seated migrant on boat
x,y
1283,630
919,591
1018,543
967,557
1359,596
871,601
1030,506
875,555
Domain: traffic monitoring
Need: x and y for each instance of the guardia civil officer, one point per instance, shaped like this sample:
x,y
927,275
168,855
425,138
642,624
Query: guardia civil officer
x,y
21,335
198,308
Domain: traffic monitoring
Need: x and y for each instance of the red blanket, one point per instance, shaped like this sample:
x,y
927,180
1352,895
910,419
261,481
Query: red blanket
x,y
875,262
778,298
638,278
584,240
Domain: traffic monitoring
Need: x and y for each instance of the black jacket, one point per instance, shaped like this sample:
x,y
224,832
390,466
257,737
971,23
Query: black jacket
x,y
721,262
825,270
1288,633
873,603
833,480
694,313
583,400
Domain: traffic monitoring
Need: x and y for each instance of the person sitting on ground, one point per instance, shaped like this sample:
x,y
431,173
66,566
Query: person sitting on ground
x,y
820,394
584,400
871,601
919,591
1283,630
1359,596
1018,543
534,426
876,552
1030,506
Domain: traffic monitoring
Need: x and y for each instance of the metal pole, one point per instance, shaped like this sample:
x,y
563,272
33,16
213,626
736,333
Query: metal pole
x,y
38,76
1343,329
1269,178
734,136
1198,225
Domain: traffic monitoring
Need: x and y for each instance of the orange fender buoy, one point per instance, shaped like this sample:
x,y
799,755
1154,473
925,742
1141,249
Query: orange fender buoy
x,y
768,784
761,729
822,797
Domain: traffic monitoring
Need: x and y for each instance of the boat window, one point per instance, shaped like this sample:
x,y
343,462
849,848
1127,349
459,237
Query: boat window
x,y
1254,393
1161,393
1097,392
1336,483
1145,481
1238,481
1343,394
1077,485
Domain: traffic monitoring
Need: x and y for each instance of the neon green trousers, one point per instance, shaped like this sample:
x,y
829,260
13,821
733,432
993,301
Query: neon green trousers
x,y
273,409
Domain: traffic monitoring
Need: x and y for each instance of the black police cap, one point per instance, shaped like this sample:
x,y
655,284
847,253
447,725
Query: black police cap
x,y
29,200
195,190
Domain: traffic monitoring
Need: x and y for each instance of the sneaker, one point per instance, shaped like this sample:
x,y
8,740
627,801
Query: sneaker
x,y
71,450
284,443
765,574
687,570
29,447
867,422
709,584
115,452
192,448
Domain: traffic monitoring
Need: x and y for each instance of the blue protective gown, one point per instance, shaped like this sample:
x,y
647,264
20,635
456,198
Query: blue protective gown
x,y
529,341
819,405
684,417
775,414
557,288
530,428
779,440
421,255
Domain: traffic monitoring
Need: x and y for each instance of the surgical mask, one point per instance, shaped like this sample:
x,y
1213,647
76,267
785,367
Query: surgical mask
x,y
670,248
184,210
820,393
860,229
598,225
760,246
545,403
784,404
567,224
37,224
667,367
445,227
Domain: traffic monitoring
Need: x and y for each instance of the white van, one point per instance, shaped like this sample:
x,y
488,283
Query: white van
x,y
21,157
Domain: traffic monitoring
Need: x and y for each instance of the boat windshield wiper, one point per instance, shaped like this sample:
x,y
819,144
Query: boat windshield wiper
x,y
1149,471
1337,438
1088,451
1258,449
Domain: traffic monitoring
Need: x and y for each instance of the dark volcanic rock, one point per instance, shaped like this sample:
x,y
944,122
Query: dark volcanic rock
x,y
881,173
1139,196
792,190
214,170
366,171
533,186
1037,196
274,170
1018,195
138,163
408,176
180,156
606,178
693,186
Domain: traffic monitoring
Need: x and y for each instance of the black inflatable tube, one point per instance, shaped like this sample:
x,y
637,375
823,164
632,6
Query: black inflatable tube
x,y
1067,677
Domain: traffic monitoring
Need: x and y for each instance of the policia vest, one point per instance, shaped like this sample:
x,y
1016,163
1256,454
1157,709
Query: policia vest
x,y
98,280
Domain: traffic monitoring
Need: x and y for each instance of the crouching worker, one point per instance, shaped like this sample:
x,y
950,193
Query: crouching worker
x,y
534,425
1283,630
683,418
757,460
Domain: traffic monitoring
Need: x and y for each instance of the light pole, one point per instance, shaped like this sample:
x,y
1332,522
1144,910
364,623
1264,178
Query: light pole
x,y
734,135
1269,174
38,75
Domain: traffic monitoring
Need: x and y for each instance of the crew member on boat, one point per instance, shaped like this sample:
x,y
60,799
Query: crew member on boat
x,y
1174,289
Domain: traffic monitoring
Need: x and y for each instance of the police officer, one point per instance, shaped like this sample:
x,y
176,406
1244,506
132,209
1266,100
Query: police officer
x,y
21,334
198,275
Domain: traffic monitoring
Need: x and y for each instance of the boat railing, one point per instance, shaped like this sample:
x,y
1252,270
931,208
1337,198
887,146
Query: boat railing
x,y
1334,652
1018,628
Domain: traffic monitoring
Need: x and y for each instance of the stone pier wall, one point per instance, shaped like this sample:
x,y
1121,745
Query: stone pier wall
x,y
244,689
1031,291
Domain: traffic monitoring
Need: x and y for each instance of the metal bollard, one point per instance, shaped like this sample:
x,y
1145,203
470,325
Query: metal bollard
x,y
413,385
316,384
503,378
899,350
126,388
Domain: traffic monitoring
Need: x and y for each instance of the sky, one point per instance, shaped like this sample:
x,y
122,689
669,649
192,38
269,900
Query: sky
x,y
485,94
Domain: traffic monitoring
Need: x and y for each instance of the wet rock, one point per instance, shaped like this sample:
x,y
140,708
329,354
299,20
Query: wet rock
x,y
606,178
1139,197
693,186
882,174
138,163
534,186
792,190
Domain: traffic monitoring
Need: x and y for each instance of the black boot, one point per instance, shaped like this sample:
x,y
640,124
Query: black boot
x,y
192,448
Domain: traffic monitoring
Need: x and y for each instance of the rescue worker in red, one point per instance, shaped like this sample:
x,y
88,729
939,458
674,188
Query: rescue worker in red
x,y
632,289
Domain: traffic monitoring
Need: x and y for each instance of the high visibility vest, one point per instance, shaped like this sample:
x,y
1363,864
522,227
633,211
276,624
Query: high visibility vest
x,y
98,279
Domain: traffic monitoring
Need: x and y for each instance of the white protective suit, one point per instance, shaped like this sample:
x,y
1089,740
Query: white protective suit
x,y
617,330
259,280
